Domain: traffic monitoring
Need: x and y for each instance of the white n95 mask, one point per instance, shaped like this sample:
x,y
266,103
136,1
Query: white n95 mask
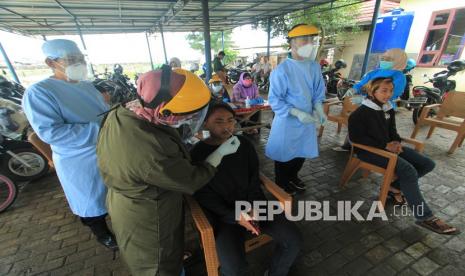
x,y
76,72
308,51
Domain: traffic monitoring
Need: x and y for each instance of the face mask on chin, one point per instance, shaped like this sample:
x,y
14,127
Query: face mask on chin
x,y
76,72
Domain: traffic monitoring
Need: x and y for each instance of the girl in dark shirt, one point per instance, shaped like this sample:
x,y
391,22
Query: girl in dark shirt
x,y
237,178
374,124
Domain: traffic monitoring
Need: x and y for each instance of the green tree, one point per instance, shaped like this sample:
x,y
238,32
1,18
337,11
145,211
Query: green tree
x,y
196,42
337,23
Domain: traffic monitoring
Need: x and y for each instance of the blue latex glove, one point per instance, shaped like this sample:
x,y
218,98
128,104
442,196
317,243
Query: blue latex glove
x,y
320,113
257,101
225,100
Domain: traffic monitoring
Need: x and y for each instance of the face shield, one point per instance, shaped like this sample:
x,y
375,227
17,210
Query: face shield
x,y
187,125
75,67
308,46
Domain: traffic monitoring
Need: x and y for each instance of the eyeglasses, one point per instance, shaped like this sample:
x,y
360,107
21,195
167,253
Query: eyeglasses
x,y
70,60
247,78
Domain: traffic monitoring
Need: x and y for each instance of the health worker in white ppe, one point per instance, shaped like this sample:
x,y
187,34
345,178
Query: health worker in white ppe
x,y
297,91
63,110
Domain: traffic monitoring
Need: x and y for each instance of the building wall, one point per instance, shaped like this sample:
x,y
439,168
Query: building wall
x,y
357,45
423,10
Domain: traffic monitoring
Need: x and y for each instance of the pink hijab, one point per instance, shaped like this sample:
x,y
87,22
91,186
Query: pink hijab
x,y
148,85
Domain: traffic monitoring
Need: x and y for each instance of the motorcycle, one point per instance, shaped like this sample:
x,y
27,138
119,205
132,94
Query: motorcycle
x,y
343,85
19,160
332,77
117,85
263,83
235,73
423,95
11,90
122,80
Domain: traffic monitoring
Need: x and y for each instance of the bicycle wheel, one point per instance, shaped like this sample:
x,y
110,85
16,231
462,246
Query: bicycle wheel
x,y
8,192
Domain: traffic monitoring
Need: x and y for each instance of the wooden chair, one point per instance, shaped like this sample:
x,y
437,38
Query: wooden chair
x,y
42,147
354,164
453,106
343,117
207,237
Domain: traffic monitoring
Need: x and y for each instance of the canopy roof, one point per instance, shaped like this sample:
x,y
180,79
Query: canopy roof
x,y
59,17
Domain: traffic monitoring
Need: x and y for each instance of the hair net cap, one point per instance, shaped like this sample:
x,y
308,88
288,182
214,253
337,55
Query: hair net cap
x,y
60,48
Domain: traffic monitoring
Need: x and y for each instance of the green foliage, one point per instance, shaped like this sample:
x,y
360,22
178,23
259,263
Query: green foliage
x,y
196,42
339,21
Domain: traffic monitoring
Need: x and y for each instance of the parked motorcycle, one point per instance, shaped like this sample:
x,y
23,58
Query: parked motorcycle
x,y
235,73
263,83
332,77
117,85
11,90
19,160
423,95
343,85
122,80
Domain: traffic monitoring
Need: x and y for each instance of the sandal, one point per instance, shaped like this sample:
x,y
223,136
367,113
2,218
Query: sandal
x,y
437,225
397,197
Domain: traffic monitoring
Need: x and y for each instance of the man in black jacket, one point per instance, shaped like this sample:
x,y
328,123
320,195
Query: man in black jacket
x,y
374,124
237,179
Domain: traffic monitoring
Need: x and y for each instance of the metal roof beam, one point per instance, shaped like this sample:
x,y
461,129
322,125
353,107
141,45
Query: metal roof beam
x,y
30,19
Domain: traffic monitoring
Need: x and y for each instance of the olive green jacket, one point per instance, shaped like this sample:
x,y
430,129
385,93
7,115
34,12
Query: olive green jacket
x,y
146,169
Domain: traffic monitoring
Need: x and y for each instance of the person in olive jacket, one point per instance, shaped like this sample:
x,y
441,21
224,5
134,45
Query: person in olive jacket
x,y
146,167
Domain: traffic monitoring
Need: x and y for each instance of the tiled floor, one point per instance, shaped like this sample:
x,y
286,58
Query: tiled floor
x,y
39,235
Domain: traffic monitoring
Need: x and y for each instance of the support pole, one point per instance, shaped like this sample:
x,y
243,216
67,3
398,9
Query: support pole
x,y
206,36
89,64
268,30
160,26
222,40
370,38
150,52
9,65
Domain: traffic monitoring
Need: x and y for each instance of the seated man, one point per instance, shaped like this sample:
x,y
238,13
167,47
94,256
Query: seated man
x,y
261,69
237,178
374,124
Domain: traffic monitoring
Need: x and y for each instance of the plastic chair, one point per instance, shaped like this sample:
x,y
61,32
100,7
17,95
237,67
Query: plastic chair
x,y
453,106
207,237
388,173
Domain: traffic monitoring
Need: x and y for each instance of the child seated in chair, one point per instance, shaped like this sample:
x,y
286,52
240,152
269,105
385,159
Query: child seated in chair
x,y
237,179
374,124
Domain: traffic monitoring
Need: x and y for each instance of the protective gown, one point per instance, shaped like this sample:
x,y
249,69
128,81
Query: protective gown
x,y
65,115
296,84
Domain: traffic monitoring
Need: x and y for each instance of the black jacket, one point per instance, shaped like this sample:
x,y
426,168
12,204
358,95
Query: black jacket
x,y
370,125
237,178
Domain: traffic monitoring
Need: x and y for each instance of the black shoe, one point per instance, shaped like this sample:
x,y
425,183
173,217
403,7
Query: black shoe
x,y
298,184
109,241
290,190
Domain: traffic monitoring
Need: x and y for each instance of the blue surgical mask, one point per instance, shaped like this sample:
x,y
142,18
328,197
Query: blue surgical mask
x,y
386,64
